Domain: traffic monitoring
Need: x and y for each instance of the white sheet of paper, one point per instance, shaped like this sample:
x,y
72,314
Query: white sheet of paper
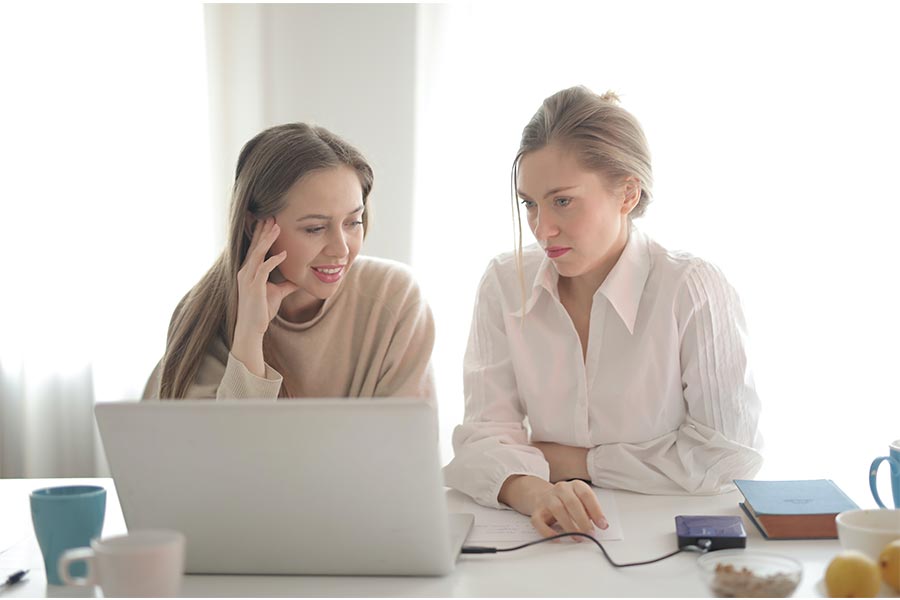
x,y
493,525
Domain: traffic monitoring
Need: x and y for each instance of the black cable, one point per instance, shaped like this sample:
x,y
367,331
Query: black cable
x,y
703,547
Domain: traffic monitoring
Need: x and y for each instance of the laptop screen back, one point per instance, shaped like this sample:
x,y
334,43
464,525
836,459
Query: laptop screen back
x,y
312,486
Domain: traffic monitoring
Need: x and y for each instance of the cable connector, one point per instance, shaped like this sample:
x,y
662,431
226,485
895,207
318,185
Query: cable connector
x,y
478,550
14,578
703,546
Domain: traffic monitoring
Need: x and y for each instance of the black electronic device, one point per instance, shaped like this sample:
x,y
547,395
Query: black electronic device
x,y
721,531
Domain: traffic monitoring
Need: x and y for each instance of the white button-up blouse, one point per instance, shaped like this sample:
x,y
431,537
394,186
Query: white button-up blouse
x,y
664,398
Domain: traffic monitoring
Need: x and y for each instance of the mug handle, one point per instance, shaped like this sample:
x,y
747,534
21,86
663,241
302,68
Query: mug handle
x,y
74,555
873,472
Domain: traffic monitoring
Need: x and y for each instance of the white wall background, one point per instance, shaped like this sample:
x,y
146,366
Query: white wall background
x,y
773,128
347,67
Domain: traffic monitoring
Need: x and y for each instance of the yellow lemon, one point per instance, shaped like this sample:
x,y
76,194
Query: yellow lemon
x,y
889,561
852,574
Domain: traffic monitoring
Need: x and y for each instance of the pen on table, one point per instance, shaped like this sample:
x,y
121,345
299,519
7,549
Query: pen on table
x,y
15,578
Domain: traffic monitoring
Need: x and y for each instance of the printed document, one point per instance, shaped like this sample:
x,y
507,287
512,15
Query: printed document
x,y
508,526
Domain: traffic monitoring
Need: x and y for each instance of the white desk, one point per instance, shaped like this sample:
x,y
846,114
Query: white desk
x,y
552,569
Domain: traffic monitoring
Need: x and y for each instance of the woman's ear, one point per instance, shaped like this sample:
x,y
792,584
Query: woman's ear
x,y
631,194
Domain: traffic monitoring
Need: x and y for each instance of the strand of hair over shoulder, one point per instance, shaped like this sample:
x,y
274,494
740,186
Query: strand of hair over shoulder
x,y
517,232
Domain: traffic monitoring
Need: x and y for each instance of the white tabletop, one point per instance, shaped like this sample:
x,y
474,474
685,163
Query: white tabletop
x,y
552,569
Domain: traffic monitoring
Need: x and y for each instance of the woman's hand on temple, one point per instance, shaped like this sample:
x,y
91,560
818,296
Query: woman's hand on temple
x,y
258,298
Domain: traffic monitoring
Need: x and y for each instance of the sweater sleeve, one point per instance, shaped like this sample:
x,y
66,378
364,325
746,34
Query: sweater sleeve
x,y
221,376
719,440
406,369
492,443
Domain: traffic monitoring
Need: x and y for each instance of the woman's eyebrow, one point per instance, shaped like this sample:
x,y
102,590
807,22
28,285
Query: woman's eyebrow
x,y
555,190
328,218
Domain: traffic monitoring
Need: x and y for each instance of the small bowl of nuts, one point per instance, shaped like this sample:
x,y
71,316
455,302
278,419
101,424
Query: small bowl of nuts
x,y
749,574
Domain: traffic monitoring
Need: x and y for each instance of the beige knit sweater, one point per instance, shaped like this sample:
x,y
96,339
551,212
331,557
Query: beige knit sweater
x,y
373,337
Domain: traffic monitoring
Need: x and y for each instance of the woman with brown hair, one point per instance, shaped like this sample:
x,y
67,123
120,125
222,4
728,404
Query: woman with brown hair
x,y
598,355
289,309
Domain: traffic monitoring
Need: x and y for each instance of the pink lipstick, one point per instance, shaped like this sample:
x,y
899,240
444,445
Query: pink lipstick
x,y
556,251
329,273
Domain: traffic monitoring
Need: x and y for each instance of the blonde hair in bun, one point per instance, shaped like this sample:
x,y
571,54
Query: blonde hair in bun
x,y
605,138
610,96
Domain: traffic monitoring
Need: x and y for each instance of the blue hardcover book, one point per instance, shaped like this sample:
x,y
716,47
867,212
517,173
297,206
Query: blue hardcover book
x,y
794,509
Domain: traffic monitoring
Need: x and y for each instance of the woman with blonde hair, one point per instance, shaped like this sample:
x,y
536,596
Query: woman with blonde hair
x,y
628,361
289,309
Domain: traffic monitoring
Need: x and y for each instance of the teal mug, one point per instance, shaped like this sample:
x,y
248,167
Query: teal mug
x,y
894,461
66,517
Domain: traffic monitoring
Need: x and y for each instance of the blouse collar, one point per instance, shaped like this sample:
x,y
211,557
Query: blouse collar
x,y
623,286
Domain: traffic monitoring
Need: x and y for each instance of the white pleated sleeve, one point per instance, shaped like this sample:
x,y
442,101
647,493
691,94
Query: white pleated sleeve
x,y
719,440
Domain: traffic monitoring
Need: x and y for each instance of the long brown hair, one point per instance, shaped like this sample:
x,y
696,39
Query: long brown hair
x,y
268,165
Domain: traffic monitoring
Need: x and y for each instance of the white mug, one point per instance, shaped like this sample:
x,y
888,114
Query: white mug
x,y
146,563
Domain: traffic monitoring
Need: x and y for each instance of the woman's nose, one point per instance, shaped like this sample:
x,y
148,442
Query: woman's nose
x,y
337,246
544,227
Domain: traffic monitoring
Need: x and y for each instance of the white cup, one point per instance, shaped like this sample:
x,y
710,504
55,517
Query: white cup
x,y
146,563
868,530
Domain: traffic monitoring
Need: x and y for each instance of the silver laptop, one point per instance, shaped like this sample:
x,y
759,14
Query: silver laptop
x,y
313,486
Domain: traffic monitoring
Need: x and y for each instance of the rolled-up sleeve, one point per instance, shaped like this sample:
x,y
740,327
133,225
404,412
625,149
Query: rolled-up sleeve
x,y
237,383
492,443
221,376
719,440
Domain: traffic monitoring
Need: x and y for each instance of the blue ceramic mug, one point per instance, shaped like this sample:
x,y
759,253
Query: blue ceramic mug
x,y
894,461
66,517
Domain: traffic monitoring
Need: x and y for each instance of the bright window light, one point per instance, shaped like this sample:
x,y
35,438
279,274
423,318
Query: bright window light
x,y
773,129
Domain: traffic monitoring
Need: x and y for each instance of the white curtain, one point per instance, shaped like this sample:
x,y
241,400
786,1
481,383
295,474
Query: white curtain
x,y
773,128
106,211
